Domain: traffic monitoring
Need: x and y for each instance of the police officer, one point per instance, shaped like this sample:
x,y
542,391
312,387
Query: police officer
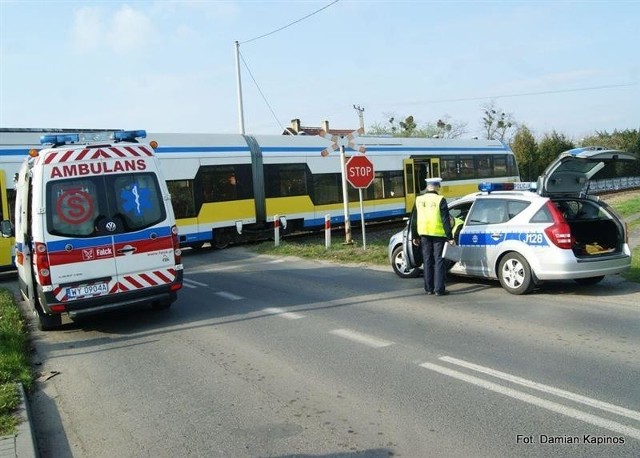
x,y
433,225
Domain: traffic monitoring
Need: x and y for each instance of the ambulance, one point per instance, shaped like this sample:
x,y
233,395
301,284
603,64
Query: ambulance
x,y
94,227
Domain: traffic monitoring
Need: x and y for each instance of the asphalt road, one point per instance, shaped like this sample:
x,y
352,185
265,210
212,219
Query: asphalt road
x,y
268,357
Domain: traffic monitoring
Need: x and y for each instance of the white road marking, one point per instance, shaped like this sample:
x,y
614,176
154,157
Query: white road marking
x,y
184,283
361,338
193,282
552,406
283,313
546,388
229,296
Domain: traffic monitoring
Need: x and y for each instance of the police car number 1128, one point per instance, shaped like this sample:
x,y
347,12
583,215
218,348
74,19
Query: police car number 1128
x,y
86,290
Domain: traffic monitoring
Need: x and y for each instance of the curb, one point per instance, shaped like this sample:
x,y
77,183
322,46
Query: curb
x,y
22,443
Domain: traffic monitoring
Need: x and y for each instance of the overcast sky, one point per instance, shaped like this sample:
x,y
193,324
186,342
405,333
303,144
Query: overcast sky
x,y
169,66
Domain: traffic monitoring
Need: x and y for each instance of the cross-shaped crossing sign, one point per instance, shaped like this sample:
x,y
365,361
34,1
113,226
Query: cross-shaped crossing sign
x,y
336,142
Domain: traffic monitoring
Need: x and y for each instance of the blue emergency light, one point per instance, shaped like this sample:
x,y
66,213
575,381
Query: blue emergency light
x,y
59,139
129,135
88,137
519,186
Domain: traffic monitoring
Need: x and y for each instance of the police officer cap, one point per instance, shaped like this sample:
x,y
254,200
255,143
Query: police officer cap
x,y
434,181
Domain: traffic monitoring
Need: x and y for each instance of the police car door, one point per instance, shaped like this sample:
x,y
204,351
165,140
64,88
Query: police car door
x,y
481,236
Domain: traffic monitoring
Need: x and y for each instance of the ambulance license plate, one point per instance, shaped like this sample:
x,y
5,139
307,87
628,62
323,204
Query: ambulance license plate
x,y
87,290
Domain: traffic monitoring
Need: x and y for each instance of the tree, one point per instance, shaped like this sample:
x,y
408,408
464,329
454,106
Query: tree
x,y
525,149
625,140
550,148
496,123
443,128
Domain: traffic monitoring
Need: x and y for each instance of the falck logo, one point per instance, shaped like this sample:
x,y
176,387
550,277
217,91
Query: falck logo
x,y
87,255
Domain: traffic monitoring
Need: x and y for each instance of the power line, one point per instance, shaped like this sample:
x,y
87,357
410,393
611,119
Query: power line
x,y
289,25
524,94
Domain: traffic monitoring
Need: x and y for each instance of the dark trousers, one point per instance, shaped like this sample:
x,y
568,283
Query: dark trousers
x,y
434,264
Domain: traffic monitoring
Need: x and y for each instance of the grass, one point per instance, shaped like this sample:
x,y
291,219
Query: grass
x,y
14,360
314,247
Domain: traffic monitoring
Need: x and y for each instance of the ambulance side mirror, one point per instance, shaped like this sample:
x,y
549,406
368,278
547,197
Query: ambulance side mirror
x,y
7,228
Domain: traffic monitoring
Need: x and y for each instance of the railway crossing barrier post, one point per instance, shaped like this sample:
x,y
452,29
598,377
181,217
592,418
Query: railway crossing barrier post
x,y
276,230
327,231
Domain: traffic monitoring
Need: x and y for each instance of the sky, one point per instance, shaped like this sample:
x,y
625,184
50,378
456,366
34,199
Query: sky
x,y
572,67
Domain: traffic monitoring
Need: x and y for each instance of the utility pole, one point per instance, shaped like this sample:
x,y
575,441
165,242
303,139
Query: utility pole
x,y
239,81
360,111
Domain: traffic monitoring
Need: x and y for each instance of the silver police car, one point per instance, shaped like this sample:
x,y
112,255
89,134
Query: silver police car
x,y
523,238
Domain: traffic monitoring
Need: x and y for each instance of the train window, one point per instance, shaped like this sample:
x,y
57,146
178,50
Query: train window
x,y
182,198
449,168
512,167
467,169
327,189
221,183
500,166
483,166
285,180
393,185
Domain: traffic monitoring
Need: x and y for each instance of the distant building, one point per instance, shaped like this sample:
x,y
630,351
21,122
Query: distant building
x,y
297,129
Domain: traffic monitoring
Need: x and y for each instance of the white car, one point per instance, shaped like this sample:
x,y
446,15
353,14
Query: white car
x,y
523,238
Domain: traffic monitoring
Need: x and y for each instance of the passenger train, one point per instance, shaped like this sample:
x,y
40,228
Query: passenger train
x,y
227,188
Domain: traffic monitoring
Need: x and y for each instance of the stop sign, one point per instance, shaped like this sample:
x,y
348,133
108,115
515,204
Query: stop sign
x,y
359,171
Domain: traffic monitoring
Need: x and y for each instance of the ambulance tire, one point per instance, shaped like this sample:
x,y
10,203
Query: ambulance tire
x,y
48,322
161,305
515,274
588,281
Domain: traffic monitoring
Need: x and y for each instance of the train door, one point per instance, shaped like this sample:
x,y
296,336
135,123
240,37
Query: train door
x,y
7,242
410,188
428,167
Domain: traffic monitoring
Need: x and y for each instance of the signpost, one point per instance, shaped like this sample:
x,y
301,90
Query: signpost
x,y
360,175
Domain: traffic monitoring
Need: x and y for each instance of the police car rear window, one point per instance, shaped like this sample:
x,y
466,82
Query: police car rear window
x,y
495,211
82,207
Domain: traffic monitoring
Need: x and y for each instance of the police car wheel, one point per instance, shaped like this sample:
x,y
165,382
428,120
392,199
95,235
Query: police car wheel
x,y
400,265
515,274
589,280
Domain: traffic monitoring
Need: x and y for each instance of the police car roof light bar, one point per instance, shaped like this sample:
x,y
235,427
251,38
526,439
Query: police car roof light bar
x,y
518,186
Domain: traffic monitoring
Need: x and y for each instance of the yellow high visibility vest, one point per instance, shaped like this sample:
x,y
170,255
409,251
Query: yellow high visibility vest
x,y
429,220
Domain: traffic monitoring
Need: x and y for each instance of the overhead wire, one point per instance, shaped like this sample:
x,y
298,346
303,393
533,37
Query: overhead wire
x,y
290,24
266,35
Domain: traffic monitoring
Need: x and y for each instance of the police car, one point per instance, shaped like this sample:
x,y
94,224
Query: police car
x,y
524,234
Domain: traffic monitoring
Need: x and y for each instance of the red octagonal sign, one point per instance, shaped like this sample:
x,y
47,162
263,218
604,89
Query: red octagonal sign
x,y
359,171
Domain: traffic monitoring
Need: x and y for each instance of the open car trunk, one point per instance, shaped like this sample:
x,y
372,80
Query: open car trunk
x,y
594,229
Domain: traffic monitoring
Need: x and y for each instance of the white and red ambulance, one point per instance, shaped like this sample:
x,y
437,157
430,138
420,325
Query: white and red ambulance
x,y
94,227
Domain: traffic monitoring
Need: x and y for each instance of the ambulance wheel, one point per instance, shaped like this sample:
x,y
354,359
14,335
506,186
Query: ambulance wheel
x,y
400,265
515,274
588,281
48,322
161,305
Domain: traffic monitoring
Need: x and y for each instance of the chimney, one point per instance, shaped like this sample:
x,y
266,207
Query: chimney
x,y
325,126
295,125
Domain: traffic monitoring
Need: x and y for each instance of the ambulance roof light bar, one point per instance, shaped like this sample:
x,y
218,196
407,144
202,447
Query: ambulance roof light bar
x,y
519,186
88,137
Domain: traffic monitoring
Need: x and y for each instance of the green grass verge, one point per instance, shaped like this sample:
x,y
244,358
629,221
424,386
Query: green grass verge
x,y
314,248
14,360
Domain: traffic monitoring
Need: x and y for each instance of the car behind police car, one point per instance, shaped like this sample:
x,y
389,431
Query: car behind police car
x,y
523,238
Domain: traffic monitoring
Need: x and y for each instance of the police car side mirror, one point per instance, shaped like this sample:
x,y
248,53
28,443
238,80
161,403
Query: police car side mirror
x,y
7,228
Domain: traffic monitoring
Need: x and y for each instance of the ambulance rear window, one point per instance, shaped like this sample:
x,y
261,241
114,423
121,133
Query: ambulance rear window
x,y
83,207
